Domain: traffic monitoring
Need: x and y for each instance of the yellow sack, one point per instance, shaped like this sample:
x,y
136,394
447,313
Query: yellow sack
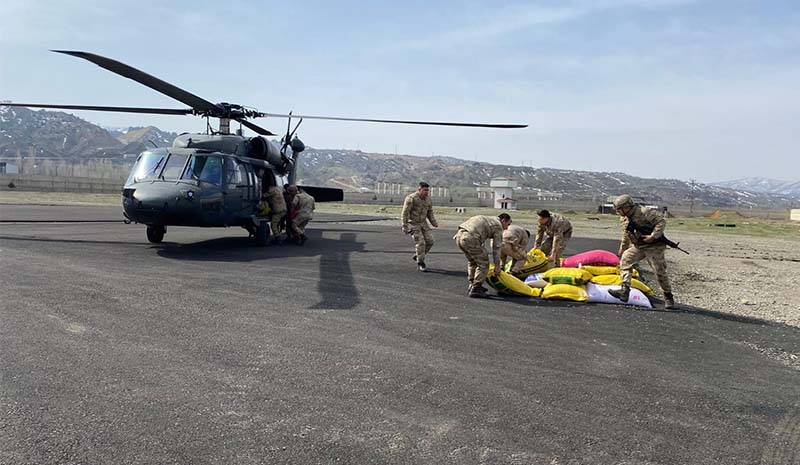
x,y
616,280
536,263
565,292
508,284
604,270
263,209
573,276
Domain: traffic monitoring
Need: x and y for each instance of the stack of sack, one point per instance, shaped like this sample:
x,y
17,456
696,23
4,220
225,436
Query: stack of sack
x,y
536,263
585,277
511,284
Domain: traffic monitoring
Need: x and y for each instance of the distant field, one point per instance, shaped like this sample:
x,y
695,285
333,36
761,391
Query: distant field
x,y
743,226
58,198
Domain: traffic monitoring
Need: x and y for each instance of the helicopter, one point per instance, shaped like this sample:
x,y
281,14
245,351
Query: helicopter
x,y
214,179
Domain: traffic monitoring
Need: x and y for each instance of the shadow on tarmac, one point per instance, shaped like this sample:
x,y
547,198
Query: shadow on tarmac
x,y
336,285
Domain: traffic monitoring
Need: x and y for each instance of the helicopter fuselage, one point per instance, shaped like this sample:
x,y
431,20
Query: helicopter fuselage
x,y
200,181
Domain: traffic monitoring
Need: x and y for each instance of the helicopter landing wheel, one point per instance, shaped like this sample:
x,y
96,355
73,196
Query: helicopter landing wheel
x,y
262,233
155,234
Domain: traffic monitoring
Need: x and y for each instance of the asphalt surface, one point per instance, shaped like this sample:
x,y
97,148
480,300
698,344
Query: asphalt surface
x,y
208,350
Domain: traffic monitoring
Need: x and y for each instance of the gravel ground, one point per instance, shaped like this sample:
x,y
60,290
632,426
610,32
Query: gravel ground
x,y
740,275
747,276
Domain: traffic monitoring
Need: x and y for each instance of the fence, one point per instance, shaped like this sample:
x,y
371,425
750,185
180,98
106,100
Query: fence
x,y
17,182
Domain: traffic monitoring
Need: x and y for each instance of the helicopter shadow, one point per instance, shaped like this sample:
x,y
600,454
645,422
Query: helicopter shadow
x,y
336,285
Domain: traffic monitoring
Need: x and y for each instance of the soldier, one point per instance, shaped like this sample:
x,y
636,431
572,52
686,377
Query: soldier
x,y
277,205
635,247
558,230
417,211
470,239
289,193
515,245
303,204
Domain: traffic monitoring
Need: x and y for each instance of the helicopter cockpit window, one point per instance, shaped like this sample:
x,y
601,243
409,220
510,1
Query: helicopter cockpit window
x,y
233,173
244,175
205,168
174,167
148,166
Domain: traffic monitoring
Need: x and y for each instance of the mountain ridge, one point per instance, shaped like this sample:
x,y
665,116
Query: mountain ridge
x,y
62,136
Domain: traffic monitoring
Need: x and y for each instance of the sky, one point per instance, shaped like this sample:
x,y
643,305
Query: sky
x,y
705,90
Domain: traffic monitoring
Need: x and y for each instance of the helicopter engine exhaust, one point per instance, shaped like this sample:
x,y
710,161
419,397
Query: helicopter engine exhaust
x,y
263,149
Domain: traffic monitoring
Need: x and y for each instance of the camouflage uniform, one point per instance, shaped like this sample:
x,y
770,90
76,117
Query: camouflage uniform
x,y
632,249
303,204
470,238
416,211
277,205
558,231
289,193
515,245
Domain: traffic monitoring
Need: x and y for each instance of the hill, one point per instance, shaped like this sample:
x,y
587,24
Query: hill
x,y
52,134
358,170
62,136
764,185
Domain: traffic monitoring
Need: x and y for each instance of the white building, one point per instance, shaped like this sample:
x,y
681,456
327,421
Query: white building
x,y
503,193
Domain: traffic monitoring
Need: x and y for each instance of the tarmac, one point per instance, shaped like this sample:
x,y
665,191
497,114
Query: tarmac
x,y
208,350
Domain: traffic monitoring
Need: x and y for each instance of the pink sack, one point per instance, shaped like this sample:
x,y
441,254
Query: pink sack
x,y
592,257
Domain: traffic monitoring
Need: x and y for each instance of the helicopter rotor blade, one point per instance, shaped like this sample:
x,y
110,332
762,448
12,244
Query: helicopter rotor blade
x,y
430,123
156,111
254,127
199,104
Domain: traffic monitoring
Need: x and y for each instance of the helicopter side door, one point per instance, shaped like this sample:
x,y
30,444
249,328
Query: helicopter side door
x,y
241,198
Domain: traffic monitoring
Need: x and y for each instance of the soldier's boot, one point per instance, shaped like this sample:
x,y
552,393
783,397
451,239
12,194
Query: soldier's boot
x,y
478,291
622,293
421,266
669,301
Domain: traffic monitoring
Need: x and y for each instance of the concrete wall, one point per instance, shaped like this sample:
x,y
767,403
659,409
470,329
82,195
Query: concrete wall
x,y
60,184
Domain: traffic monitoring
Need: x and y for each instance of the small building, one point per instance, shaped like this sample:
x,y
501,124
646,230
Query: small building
x,y
8,168
503,193
506,203
794,214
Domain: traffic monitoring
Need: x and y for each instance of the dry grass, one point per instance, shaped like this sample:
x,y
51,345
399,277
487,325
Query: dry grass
x,y
588,224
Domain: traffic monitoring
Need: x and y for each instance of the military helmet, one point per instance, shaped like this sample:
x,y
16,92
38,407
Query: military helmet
x,y
623,201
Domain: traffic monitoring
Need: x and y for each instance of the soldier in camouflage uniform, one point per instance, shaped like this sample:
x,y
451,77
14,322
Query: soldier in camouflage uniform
x,y
470,239
303,204
635,247
558,230
277,206
515,246
417,211
289,193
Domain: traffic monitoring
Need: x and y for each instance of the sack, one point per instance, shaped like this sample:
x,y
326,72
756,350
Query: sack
x,y
574,276
604,270
509,285
616,280
263,209
592,257
536,263
535,280
565,292
599,293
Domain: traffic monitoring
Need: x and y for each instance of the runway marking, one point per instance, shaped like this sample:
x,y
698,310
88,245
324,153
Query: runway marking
x,y
74,328
58,221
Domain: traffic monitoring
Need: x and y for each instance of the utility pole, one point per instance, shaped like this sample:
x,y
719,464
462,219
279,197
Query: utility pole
x,y
691,198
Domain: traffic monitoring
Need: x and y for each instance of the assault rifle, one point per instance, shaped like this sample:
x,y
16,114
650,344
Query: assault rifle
x,y
634,228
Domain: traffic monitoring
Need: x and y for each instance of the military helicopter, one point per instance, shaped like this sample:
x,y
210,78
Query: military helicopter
x,y
214,179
